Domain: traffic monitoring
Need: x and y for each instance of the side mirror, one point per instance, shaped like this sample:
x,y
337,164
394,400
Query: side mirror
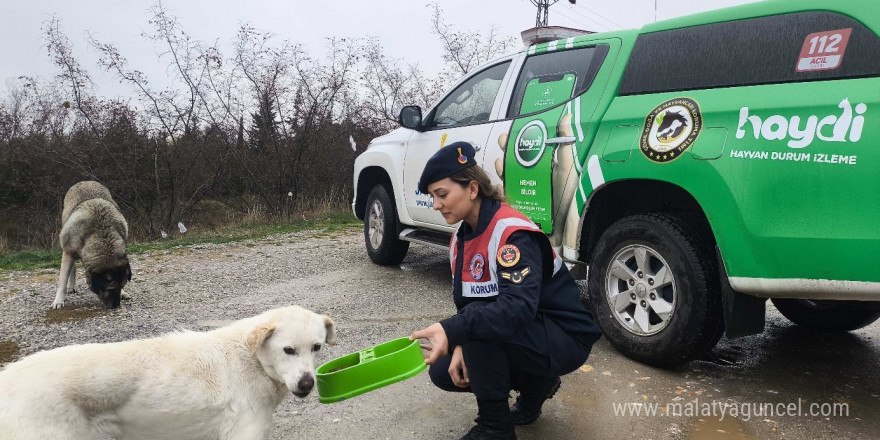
x,y
410,117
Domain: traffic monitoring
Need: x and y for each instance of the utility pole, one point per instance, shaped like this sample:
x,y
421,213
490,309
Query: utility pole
x,y
543,32
543,7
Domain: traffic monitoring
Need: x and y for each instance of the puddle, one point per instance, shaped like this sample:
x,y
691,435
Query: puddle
x,y
42,278
54,316
714,429
724,360
579,401
8,351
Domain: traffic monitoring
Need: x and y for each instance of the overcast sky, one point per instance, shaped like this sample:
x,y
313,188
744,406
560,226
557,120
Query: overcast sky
x,y
402,26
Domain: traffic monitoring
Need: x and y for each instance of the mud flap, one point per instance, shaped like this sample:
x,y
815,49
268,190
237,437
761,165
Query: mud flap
x,y
744,315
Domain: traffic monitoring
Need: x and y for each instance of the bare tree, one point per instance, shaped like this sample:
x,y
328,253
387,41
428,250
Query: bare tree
x,y
261,129
389,84
175,117
71,73
466,49
319,89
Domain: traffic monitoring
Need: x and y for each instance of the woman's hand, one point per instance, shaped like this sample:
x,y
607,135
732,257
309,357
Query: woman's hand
x,y
458,370
437,337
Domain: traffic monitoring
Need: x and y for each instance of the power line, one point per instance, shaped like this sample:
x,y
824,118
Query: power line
x,y
599,15
593,12
580,23
603,26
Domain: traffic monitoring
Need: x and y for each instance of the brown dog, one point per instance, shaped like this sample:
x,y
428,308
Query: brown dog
x,y
94,231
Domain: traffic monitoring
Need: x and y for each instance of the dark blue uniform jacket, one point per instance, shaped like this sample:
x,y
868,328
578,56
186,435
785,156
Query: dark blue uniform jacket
x,y
544,312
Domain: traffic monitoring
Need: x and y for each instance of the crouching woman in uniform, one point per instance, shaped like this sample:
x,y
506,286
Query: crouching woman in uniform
x,y
520,323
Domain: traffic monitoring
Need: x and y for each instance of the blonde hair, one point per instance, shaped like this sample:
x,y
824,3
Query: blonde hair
x,y
477,174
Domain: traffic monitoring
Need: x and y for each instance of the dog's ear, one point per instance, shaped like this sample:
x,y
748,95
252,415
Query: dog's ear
x,y
331,331
258,336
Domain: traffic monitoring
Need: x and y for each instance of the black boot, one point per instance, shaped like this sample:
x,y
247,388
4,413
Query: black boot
x,y
493,422
534,391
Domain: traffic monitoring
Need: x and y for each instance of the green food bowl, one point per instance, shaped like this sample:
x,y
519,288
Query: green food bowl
x,y
356,373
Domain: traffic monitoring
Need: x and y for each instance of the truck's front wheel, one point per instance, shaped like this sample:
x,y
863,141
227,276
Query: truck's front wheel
x,y
826,316
653,287
380,229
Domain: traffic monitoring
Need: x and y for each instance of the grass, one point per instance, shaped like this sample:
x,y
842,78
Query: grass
x,y
326,224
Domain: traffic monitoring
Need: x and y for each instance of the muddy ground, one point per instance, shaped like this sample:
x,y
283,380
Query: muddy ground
x,y
201,287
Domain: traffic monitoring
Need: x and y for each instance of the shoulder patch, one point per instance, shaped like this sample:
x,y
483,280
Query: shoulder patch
x,y
508,255
516,276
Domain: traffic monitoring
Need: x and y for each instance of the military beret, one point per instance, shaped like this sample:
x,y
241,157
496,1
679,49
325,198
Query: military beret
x,y
446,162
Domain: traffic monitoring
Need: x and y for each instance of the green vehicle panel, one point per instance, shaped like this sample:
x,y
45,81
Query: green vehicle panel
x,y
788,193
755,130
692,168
773,209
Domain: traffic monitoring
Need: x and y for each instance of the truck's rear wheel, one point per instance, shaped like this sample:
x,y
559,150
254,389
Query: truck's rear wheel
x,y
653,288
826,316
380,229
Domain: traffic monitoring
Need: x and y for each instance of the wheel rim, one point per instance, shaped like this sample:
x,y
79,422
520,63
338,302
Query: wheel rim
x,y
640,290
376,229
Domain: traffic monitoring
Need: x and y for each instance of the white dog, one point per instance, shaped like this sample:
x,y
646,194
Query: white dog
x,y
222,384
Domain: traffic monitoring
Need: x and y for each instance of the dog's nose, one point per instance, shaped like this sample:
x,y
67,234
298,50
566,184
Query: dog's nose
x,y
305,383
112,301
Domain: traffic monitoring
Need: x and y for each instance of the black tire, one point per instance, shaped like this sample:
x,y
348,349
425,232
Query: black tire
x,y
380,229
672,320
826,316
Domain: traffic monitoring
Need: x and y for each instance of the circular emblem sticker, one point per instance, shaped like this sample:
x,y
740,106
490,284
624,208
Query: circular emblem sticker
x,y
530,143
477,265
508,255
670,129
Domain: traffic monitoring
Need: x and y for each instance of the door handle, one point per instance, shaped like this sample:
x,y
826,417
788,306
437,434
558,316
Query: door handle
x,y
560,140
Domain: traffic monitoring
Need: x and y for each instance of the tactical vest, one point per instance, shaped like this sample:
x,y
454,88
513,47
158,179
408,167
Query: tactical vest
x,y
479,277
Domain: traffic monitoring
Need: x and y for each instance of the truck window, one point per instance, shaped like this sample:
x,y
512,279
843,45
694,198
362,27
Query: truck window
x,y
765,50
472,101
552,78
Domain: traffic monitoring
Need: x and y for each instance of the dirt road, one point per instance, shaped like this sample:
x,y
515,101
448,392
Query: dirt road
x,y
205,286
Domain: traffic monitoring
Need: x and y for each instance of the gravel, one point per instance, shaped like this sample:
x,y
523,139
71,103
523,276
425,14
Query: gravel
x,y
204,286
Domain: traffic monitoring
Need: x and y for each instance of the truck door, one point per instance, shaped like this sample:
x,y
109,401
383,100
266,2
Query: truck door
x,y
468,113
542,160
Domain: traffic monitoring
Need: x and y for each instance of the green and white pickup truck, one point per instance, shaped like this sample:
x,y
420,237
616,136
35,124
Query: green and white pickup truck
x,y
695,167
